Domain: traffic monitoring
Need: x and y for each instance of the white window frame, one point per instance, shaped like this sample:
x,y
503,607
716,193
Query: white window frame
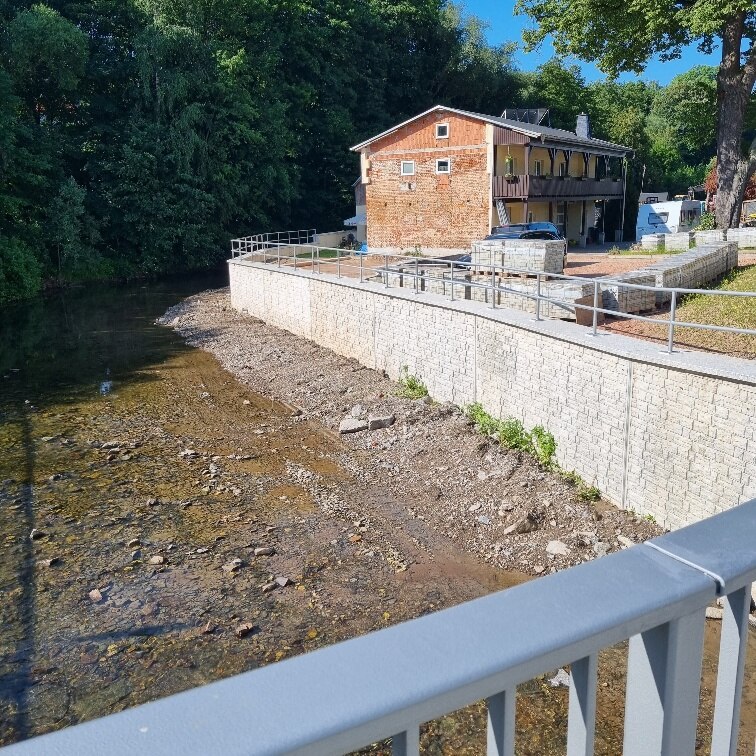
x,y
403,172
561,217
538,167
443,160
445,126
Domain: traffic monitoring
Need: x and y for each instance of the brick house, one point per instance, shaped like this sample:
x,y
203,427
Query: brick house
x,y
444,178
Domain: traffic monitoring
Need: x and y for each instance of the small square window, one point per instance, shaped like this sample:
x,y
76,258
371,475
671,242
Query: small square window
x,y
408,168
442,131
443,165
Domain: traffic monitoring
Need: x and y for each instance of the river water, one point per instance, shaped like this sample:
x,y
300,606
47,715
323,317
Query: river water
x,y
134,470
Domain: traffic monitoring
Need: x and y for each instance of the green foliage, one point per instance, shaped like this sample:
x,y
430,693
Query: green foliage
x,y
411,387
539,443
708,222
20,271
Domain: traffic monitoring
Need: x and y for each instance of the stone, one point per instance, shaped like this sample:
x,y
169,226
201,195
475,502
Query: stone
x,y
557,548
153,502
157,559
133,543
626,542
232,566
136,554
202,550
36,534
539,569
264,551
474,507
714,612
245,629
95,596
528,524
49,562
271,586
483,520
352,425
355,538
357,411
282,582
510,529
560,680
376,422
600,548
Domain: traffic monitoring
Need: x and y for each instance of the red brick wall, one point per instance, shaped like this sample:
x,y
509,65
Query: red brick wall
x,y
429,210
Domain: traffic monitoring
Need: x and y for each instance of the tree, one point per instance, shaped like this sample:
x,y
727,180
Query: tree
x,y
624,40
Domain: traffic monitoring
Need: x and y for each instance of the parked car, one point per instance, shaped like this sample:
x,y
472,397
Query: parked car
x,y
535,230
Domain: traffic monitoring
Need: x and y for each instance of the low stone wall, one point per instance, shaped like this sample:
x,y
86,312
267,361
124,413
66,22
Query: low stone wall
x,y
693,269
708,237
653,242
537,256
623,299
668,435
745,237
677,242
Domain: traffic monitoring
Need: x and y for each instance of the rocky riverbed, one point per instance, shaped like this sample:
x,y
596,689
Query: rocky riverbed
x,y
190,518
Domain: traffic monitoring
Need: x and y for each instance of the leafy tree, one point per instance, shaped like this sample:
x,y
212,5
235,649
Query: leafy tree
x,y
626,40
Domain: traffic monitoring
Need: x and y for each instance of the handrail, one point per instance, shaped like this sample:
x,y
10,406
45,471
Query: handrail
x,y
386,684
312,254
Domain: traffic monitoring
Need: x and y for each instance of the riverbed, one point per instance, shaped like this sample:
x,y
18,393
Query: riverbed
x,y
166,524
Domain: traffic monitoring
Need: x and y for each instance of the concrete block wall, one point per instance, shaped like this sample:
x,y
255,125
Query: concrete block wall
x,y
745,237
623,299
671,436
675,242
708,237
519,254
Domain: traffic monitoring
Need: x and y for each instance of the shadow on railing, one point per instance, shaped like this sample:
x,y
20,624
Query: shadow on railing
x,y
387,683
553,295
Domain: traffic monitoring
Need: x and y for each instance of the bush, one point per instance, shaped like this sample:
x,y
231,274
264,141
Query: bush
x,y
708,222
20,270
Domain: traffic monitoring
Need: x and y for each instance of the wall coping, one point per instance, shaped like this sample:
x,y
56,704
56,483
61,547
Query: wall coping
x,y
705,364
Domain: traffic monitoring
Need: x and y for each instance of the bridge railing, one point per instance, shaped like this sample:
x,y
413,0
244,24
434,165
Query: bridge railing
x,y
386,684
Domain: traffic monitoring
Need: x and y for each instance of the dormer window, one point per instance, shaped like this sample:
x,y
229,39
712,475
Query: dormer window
x,y
442,131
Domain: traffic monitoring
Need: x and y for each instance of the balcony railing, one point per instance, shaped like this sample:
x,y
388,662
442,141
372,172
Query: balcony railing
x,y
555,187
386,684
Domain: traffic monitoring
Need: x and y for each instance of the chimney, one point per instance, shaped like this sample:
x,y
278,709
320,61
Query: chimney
x,y
583,127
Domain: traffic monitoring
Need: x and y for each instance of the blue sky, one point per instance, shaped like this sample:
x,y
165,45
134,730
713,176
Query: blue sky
x,y
504,26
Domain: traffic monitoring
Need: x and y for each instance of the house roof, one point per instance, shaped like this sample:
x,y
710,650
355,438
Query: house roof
x,y
537,132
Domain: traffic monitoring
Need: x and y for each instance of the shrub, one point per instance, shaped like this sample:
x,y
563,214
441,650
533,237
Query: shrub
x,y
708,222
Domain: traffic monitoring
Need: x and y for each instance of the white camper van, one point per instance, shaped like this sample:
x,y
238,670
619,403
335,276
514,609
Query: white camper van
x,y
667,217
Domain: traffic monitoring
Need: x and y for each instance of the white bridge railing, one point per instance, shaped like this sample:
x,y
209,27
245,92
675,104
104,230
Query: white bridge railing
x,y
386,684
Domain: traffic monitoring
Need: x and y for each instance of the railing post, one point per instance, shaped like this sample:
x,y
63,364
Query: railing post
x,y
295,256
501,723
581,724
318,259
595,307
493,286
338,263
406,743
417,283
538,296
386,268
671,335
451,280
732,654
663,687
361,266
278,249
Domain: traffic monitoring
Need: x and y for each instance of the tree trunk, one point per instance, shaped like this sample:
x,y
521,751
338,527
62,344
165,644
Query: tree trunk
x,y
734,85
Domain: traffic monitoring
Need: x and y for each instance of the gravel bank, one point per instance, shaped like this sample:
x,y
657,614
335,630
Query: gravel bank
x,y
496,504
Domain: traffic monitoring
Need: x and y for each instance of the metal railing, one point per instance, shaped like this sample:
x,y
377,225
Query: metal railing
x,y
386,684
340,262
248,244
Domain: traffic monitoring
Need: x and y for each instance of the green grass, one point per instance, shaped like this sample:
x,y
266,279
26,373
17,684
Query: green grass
x,y
638,251
324,254
411,387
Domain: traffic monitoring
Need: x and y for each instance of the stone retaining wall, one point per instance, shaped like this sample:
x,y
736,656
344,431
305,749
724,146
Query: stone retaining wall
x,y
671,436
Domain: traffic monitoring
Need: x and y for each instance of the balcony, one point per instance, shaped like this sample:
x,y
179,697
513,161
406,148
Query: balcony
x,y
386,684
555,187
